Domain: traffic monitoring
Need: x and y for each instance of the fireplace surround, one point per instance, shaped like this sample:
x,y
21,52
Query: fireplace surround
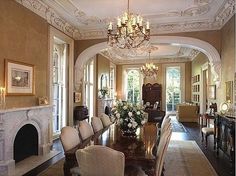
x,y
12,121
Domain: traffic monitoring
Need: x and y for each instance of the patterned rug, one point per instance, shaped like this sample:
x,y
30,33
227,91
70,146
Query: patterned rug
x,y
176,125
184,158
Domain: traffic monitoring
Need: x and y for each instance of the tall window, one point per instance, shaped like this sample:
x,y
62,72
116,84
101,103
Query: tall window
x,y
59,94
89,86
112,82
133,86
173,92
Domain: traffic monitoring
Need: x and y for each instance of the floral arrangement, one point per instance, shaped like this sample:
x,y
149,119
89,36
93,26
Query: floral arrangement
x,y
128,116
104,91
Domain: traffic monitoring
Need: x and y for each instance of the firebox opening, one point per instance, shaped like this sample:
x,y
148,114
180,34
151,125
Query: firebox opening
x,y
26,143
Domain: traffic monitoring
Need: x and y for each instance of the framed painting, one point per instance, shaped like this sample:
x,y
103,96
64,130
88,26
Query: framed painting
x,y
212,91
77,97
229,91
19,78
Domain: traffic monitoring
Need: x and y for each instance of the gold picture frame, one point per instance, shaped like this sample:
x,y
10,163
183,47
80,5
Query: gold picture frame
x,y
77,97
43,101
229,91
19,78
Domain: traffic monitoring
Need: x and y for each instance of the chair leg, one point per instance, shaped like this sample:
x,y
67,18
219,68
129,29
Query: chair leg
x,y
202,137
206,140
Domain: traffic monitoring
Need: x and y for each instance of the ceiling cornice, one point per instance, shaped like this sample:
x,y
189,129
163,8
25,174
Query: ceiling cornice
x,y
42,9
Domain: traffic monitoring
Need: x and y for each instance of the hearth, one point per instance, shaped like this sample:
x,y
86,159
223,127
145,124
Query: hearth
x,y
26,143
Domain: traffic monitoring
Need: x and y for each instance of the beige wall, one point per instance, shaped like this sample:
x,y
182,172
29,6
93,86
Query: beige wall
x,y
227,58
103,67
24,37
197,63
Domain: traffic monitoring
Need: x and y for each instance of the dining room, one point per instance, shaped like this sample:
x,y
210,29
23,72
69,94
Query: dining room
x,y
140,88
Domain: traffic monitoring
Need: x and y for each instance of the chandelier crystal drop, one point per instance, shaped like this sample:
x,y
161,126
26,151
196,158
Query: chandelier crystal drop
x,y
131,32
149,69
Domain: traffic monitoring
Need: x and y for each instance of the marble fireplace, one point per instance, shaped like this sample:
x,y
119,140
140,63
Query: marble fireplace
x,y
32,123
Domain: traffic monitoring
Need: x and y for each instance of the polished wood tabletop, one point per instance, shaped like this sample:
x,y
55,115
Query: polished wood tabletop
x,y
136,148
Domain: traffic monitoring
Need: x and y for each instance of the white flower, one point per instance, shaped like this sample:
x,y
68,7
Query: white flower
x,y
130,114
138,113
118,115
135,124
125,107
129,125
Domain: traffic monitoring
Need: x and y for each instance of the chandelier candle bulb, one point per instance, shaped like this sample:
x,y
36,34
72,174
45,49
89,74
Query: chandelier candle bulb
x,y
110,26
147,27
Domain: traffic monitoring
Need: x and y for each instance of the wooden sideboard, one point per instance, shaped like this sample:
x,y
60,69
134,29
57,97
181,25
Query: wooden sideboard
x,y
225,136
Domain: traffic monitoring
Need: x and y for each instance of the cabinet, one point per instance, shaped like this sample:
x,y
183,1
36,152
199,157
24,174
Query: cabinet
x,y
225,136
152,93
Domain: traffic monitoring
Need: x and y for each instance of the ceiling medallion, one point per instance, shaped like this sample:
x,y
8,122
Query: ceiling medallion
x,y
149,69
131,31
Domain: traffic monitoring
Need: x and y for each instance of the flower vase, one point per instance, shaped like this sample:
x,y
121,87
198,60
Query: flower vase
x,y
128,132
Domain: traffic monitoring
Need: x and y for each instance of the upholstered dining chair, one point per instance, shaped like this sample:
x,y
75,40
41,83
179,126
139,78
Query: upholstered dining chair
x,y
106,121
98,160
96,124
157,169
69,138
85,129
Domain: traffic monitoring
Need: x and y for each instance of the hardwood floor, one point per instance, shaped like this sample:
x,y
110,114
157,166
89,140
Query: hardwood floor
x,y
220,164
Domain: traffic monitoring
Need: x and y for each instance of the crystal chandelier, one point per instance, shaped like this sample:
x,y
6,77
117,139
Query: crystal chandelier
x,y
149,69
131,31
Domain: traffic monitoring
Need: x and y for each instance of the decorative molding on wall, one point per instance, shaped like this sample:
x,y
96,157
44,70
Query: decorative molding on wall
x,y
79,25
199,45
46,12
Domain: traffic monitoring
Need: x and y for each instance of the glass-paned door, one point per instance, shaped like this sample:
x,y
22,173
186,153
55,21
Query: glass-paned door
x,y
173,92
133,86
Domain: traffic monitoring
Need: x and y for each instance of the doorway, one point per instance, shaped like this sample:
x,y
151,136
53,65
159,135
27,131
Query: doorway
x,y
173,91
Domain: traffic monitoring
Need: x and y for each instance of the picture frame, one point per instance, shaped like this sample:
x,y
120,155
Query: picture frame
x,y
19,78
77,97
229,91
212,92
43,101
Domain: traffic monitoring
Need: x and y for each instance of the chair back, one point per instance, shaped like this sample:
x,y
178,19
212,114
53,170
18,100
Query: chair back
x,y
96,124
161,151
85,129
69,138
105,120
165,124
97,160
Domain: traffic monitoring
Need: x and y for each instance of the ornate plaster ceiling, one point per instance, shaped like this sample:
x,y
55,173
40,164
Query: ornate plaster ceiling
x,y
86,19
160,53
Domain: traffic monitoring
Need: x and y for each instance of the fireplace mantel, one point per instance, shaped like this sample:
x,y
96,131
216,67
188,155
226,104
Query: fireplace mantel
x,y
12,120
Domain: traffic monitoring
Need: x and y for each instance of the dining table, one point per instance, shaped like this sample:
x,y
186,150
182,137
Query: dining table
x,y
138,148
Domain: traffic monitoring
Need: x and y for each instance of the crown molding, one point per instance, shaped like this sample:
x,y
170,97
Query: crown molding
x,y
226,11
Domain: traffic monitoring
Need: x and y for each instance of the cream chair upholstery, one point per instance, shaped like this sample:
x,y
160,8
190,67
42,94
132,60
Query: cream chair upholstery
x,y
105,120
96,124
187,113
97,160
85,129
161,151
69,138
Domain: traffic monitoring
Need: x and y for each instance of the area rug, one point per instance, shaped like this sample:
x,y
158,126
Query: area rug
x,y
54,170
184,158
176,125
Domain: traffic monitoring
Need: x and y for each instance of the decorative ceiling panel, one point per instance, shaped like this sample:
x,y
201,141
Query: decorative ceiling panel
x,y
87,19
